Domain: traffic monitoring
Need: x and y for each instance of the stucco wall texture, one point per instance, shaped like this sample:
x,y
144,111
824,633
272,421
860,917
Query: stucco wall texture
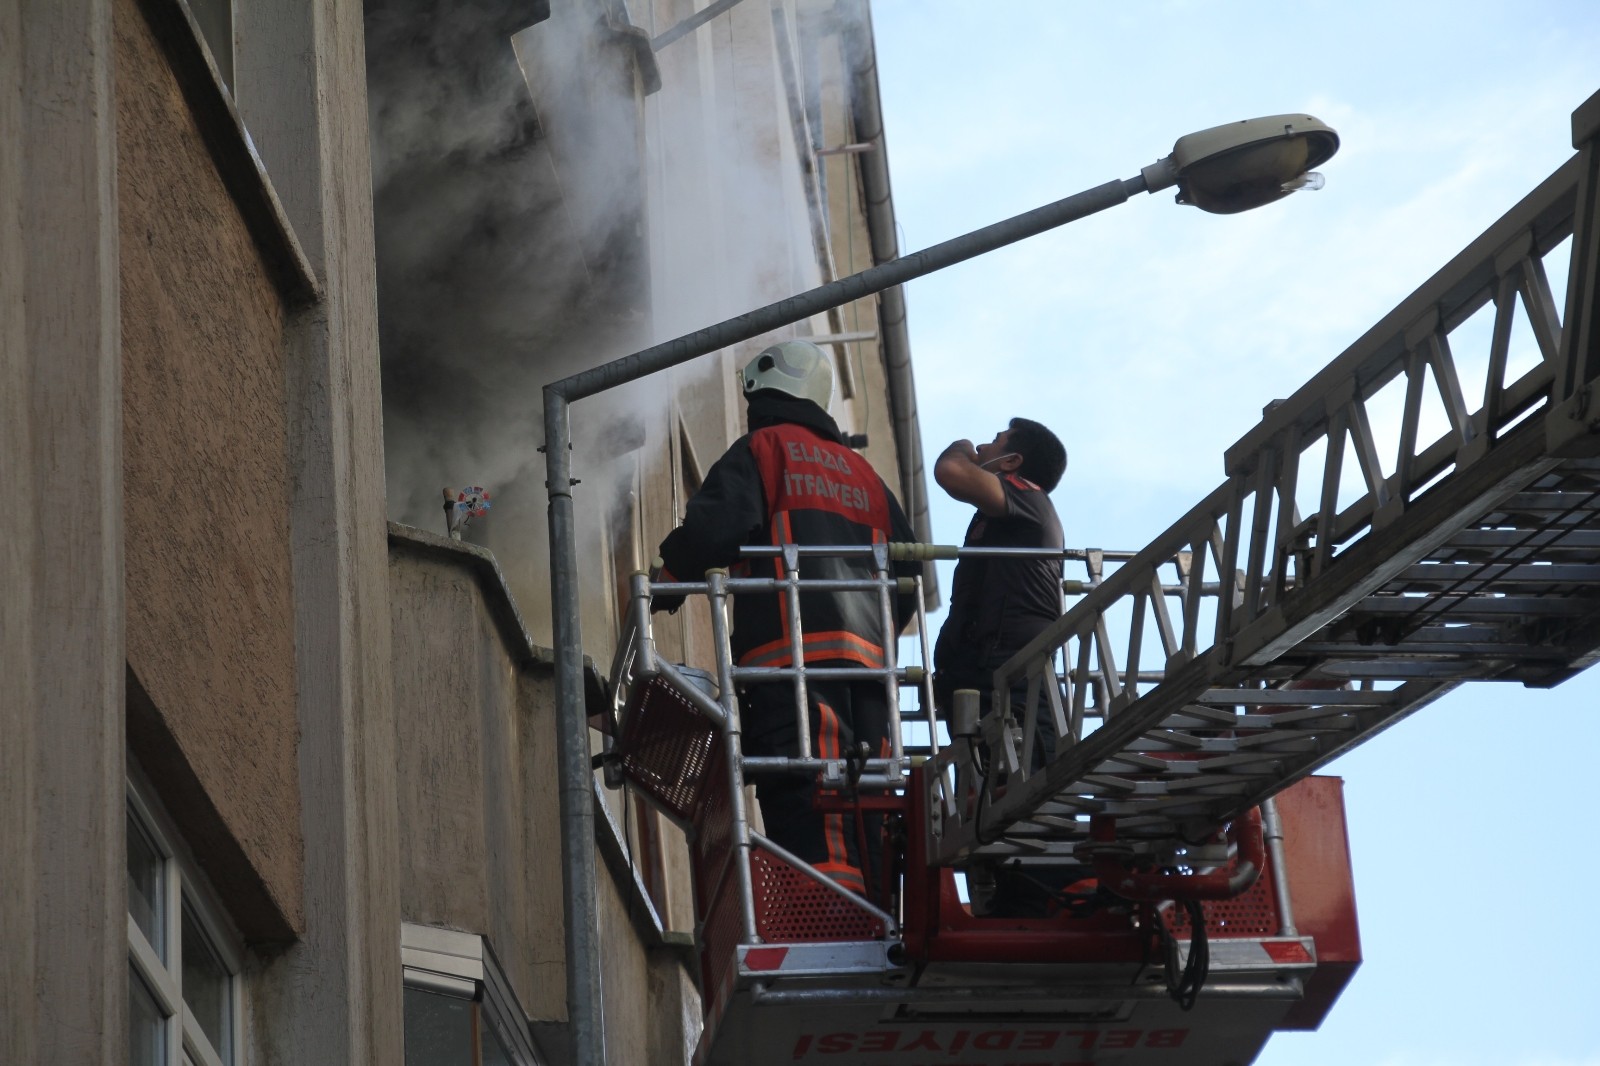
x,y
480,839
473,774
209,597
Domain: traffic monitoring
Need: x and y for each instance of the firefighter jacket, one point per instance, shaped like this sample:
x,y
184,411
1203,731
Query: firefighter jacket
x,y
792,479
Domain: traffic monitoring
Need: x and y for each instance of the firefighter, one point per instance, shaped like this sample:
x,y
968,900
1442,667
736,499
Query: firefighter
x,y
793,479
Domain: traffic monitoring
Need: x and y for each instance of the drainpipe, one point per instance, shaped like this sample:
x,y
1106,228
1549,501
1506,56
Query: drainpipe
x,y
576,780
574,772
894,339
692,23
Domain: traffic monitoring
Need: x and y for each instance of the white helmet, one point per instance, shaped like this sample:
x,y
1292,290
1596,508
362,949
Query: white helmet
x,y
798,368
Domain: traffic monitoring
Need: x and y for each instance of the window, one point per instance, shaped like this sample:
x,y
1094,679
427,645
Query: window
x,y
688,464
183,986
443,1030
214,20
459,1007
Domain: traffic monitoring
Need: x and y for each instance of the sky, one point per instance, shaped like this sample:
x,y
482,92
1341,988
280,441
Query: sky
x,y
1151,336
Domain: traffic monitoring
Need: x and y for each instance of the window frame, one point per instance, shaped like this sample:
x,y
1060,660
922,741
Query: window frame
x,y
446,962
183,888
219,17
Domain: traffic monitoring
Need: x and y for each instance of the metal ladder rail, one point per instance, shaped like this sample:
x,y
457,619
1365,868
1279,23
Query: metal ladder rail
x,y
1300,578
1512,623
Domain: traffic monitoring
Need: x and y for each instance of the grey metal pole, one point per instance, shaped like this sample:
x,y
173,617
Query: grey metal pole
x,y
797,652
732,736
575,777
572,727
690,24
1272,829
925,689
836,293
891,653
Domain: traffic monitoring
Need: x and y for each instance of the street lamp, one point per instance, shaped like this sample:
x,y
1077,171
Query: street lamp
x,y
1224,170
1232,168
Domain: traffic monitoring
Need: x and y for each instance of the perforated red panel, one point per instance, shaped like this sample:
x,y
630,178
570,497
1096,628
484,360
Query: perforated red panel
x,y
1253,912
719,932
711,843
793,907
665,747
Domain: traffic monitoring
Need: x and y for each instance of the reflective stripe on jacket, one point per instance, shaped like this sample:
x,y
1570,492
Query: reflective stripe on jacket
x,y
790,483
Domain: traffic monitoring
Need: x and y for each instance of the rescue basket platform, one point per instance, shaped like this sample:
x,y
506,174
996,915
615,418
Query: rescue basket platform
x,y
794,968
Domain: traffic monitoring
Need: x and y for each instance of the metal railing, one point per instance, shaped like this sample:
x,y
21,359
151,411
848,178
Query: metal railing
x,y
637,662
714,694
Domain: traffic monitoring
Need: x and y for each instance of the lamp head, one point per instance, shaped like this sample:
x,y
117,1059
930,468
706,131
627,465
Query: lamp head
x,y
1233,168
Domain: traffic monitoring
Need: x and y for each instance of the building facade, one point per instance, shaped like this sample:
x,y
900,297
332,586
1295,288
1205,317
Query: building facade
x,y
280,752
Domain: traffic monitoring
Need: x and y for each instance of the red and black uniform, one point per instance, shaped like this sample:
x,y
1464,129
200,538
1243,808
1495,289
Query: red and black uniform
x,y
793,480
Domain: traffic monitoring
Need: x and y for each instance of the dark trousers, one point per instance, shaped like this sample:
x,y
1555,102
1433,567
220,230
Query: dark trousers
x,y
843,714
1019,892
945,684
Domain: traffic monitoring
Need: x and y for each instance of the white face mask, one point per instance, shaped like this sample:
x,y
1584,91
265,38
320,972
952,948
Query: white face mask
x,y
999,458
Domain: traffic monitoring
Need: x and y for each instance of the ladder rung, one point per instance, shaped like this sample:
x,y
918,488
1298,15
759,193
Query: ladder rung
x,y
1491,572
1334,716
1519,539
1476,604
1298,697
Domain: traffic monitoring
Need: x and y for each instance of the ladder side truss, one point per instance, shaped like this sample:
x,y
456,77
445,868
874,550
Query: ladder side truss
x,y
1465,546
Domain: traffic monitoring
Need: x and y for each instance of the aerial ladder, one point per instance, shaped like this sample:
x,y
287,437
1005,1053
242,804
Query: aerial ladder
x,y
794,967
1334,583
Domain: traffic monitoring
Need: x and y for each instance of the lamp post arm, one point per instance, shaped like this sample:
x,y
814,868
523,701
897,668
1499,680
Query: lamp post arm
x,y
1162,174
836,293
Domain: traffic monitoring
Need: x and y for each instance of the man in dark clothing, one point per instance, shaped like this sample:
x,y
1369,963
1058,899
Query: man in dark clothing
x,y
998,605
793,480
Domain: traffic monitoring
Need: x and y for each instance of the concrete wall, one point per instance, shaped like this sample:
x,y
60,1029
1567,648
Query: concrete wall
x,y
205,473
480,840
292,391
63,908
259,647
335,996
469,768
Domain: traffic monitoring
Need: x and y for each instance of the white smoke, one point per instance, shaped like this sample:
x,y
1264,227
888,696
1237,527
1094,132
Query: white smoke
x,y
534,221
